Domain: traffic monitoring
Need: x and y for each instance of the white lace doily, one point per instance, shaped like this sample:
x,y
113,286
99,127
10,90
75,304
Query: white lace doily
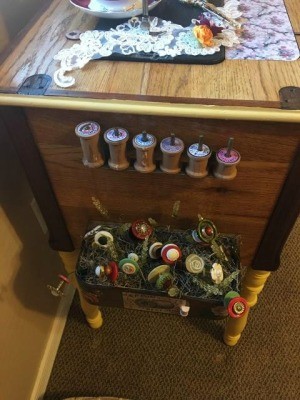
x,y
165,40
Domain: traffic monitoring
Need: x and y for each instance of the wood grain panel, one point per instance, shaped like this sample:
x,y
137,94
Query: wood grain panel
x,y
241,206
78,218
231,80
293,9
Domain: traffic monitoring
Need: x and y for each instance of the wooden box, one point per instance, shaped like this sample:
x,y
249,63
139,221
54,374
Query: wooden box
x,y
196,291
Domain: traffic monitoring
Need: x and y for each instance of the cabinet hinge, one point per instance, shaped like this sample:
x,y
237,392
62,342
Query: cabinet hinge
x,y
35,85
290,98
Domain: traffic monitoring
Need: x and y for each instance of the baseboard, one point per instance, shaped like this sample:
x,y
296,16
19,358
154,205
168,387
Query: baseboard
x,y
51,349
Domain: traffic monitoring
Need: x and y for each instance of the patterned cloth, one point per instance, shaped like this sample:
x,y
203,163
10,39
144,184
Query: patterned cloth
x,y
267,33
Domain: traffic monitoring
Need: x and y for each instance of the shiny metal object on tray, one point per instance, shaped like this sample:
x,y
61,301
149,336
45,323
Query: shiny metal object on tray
x,y
212,9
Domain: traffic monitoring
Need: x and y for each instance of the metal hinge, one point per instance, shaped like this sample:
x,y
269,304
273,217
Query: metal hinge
x,y
290,98
35,85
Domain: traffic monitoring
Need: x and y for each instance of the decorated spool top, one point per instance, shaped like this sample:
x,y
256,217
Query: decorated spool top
x,y
144,140
116,135
87,129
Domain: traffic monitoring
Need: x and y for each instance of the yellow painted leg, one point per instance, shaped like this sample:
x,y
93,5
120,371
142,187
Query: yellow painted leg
x,y
92,312
234,328
252,285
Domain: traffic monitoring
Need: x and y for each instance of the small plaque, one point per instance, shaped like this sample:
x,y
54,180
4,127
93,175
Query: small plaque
x,y
144,302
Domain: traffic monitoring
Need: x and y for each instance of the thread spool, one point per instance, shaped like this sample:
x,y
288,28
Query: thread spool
x,y
198,154
144,144
172,148
88,132
116,138
227,161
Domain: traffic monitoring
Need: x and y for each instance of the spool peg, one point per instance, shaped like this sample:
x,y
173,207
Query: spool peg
x,y
227,160
144,143
88,133
116,138
198,154
172,148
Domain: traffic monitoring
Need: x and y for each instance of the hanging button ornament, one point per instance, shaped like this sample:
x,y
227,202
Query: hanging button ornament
x,y
144,144
170,253
236,306
88,132
227,161
198,154
172,148
116,138
140,229
194,264
206,231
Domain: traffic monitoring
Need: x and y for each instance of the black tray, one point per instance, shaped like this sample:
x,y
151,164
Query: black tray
x,y
171,10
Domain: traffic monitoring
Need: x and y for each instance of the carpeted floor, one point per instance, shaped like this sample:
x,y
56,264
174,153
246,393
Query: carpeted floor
x,y
149,356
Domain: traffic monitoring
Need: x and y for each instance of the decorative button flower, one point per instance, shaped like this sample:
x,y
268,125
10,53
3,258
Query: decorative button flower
x,y
205,30
204,35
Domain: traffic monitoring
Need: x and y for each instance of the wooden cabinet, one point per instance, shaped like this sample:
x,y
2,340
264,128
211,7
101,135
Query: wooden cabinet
x,y
237,99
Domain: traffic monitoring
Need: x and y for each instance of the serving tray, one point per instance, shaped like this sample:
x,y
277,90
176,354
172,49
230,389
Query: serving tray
x,y
170,10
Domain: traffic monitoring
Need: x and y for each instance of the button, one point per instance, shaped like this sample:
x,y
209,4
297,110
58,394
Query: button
x,y
155,250
129,266
112,268
73,35
171,253
102,238
141,229
217,273
173,291
194,264
237,307
164,281
154,274
133,257
206,230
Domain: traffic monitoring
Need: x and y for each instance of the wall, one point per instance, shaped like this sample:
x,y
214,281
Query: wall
x,y
27,265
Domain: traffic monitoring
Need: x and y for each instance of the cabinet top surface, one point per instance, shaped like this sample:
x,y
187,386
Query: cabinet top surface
x,y
233,81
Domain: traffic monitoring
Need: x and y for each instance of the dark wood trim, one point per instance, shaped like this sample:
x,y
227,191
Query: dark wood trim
x,y
19,131
282,220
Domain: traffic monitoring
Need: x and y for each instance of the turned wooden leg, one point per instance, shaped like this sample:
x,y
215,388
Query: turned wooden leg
x,y
234,328
252,285
92,312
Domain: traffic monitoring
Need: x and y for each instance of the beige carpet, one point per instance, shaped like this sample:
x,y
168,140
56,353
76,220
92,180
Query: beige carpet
x,y
151,356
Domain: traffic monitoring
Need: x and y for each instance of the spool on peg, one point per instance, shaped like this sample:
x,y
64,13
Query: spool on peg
x,y
198,154
116,138
227,161
172,148
88,132
58,290
144,144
